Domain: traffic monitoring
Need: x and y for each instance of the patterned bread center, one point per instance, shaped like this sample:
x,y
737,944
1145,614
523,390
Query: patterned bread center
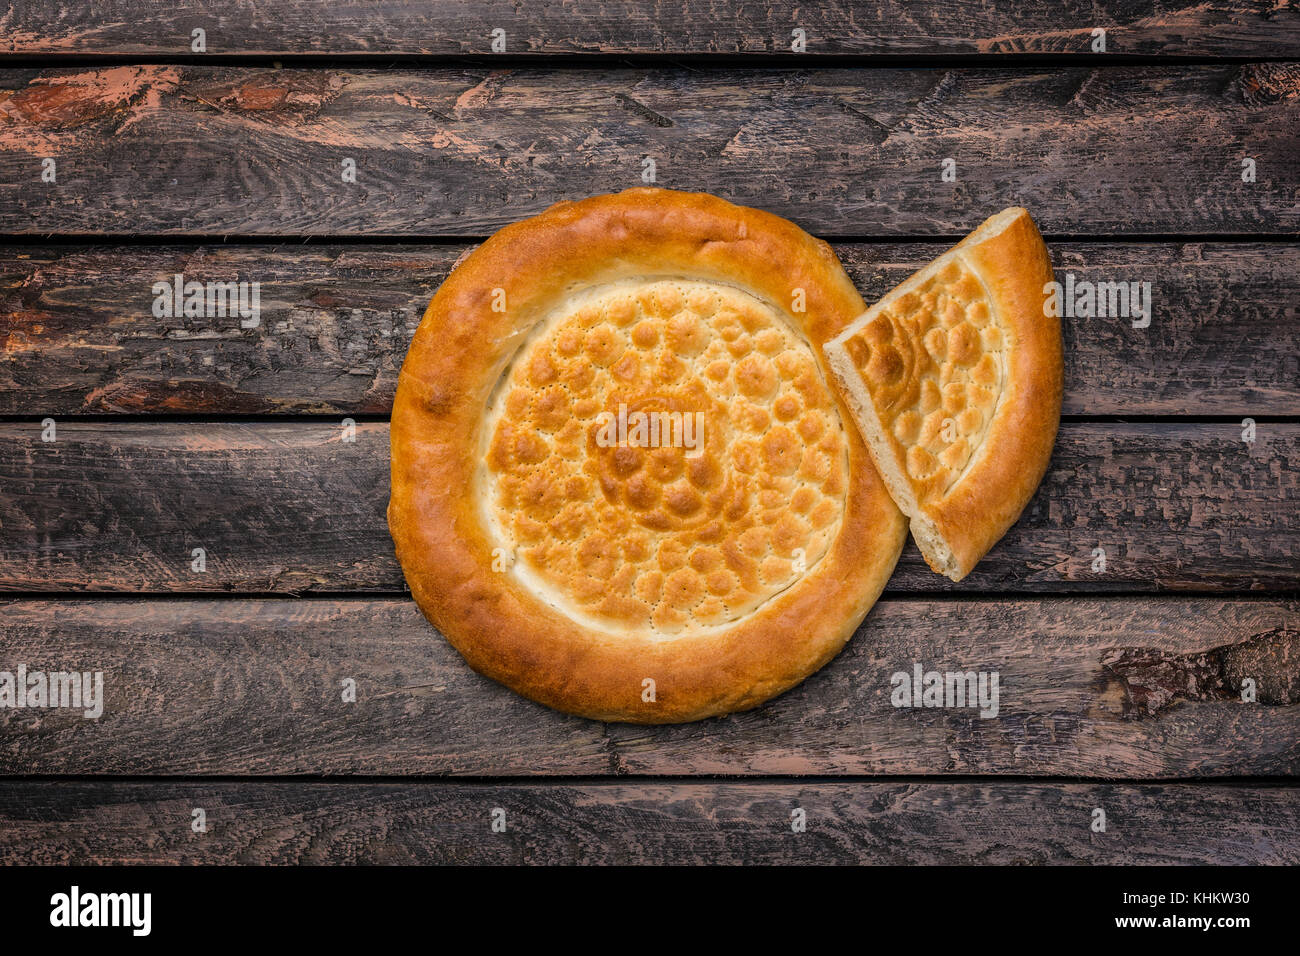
x,y
932,360
732,491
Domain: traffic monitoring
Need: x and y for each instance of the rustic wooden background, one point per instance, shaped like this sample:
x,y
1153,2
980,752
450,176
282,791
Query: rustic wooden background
x,y
223,687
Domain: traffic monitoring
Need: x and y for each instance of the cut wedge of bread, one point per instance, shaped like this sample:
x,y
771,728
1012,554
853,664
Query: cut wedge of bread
x,y
954,379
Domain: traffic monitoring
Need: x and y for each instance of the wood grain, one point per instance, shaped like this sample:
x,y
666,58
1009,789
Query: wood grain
x,y
1130,688
291,507
80,336
1097,687
1225,27
181,150
671,823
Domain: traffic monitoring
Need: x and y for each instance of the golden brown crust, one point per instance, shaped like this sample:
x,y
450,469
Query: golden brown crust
x,y
955,379
460,354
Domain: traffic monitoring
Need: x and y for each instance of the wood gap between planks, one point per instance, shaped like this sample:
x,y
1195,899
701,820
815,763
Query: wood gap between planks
x,y
886,597
197,240
696,62
578,780
380,418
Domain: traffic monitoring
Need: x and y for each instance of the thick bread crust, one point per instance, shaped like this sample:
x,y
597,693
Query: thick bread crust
x,y
956,525
456,358
1015,267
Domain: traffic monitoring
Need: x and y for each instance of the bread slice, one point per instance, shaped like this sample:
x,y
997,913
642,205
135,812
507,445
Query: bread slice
x,y
954,379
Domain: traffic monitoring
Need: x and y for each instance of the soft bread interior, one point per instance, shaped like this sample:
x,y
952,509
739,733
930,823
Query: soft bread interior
x,y
933,547
909,491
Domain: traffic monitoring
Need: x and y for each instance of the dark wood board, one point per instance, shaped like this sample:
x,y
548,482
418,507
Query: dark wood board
x,y
289,507
450,27
670,823
188,150
1120,686
1127,688
79,335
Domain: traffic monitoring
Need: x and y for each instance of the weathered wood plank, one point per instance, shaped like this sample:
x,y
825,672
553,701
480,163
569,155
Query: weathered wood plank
x,y
671,823
289,507
80,336
1225,27
1131,688
176,150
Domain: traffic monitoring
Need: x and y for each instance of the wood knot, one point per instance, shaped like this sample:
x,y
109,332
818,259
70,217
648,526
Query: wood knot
x,y
1265,83
1146,681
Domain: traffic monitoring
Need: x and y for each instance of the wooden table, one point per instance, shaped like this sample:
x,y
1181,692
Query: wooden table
x,y
224,687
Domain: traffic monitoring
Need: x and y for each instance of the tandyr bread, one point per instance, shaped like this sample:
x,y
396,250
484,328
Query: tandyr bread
x,y
622,481
954,379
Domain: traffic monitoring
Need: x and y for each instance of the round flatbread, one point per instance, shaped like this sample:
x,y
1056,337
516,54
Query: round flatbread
x,y
622,482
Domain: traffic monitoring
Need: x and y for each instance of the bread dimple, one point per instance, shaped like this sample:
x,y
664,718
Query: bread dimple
x,y
659,540
483,471
932,361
